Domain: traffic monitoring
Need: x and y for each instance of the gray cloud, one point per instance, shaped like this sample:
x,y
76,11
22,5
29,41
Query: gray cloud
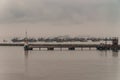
x,y
59,17
59,11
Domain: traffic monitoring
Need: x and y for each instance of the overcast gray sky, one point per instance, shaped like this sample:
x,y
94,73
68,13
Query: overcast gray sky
x,y
59,17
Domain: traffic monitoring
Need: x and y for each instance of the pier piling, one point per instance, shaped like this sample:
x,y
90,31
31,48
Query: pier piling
x,y
71,48
50,49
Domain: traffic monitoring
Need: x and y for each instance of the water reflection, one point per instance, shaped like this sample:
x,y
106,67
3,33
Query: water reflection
x,y
26,64
64,65
115,53
107,53
40,65
103,53
26,53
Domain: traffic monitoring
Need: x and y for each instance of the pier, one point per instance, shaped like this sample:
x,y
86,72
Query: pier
x,y
51,46
61,46
11,44
72,46
114,46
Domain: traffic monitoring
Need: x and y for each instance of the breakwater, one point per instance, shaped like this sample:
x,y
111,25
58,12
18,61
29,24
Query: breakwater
x,y
11,44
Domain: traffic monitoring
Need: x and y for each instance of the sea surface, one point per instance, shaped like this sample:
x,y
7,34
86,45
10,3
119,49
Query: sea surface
x,y
16,64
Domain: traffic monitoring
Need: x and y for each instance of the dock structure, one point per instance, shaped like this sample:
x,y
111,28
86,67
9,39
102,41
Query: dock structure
x,y
72,46
69,46
114,46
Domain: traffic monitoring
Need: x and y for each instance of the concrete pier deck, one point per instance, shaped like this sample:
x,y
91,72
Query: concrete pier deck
x,y
69,46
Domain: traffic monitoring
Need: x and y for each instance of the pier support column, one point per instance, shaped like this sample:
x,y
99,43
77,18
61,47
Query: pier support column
x,y
89,48
39,49
60,49
115,46
71,48
81,48
50,49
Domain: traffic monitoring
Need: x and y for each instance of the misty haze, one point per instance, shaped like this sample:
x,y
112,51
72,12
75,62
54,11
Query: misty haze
x,y
59,40
59,17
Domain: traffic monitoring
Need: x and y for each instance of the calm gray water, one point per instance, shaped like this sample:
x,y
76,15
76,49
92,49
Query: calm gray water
x,y
15,64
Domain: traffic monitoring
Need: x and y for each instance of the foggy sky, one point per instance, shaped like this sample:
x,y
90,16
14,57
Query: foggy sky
x,y
59,17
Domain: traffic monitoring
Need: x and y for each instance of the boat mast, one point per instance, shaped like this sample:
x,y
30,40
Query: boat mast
x,y
26,34
26,38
